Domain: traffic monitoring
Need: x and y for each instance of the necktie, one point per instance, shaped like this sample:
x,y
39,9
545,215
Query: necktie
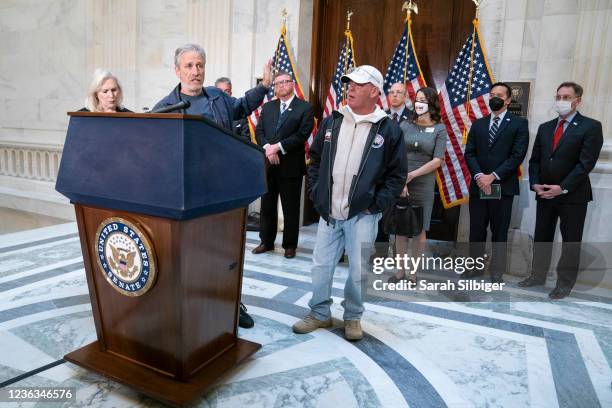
x,y
493,131
558,133
395,116
282,113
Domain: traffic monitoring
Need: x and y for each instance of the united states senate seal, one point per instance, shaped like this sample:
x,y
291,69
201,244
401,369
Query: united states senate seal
x,y
126,256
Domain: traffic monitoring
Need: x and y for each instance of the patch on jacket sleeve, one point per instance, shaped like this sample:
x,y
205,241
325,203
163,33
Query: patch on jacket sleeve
x,y
378,141
328,134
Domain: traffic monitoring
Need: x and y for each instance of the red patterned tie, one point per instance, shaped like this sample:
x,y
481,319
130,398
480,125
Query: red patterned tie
x,y
558,133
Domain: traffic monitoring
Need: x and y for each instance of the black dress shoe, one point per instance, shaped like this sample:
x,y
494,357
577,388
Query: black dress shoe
x,y
261,248
245,320
559,293
531,281
290,253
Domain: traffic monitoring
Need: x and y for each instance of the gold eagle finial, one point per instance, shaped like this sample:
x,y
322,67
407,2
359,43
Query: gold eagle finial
x,y
410,7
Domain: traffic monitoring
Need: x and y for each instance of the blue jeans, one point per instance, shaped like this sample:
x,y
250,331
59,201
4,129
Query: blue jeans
x,y
356,236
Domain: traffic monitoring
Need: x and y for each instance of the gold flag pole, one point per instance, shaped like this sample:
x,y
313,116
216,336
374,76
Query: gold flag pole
x,y
284,15
478,3
347,34
410,7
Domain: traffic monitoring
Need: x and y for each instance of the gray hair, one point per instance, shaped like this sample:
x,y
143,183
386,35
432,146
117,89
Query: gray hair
x,y
99,76
223,80
188,48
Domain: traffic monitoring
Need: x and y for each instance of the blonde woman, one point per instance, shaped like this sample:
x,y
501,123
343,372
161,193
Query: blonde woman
x,y
105,93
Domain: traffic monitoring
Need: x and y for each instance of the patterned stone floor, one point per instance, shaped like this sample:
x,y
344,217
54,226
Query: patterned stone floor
x,y
518,350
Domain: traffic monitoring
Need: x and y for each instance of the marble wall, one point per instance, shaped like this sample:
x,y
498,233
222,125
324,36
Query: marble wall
x,y
548,42
48,50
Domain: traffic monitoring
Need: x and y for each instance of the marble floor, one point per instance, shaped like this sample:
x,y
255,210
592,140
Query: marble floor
x,y
12,220
518,350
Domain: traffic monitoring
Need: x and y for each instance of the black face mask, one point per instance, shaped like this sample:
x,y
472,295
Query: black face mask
x,y
496,103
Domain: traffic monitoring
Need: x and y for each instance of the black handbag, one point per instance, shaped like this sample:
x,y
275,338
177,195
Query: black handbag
x,y
402,218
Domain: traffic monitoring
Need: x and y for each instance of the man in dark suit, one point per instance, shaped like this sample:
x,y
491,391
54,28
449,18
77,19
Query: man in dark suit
x,y
397,101
284,126
240,126
398,112
496,147
564,153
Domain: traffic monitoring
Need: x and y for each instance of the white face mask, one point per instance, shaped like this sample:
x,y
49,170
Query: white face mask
x,y
421,108
563,107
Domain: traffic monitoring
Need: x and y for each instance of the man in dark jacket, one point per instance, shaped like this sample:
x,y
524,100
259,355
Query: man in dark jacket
x,y
496,147
564,153
398,111
283,127
212,103
358,168
241,126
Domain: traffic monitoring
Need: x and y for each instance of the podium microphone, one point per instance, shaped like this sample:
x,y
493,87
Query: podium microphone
x,y
176,106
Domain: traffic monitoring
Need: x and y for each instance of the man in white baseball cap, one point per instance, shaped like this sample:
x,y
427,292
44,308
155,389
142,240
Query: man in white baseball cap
x,y
364,74
357,169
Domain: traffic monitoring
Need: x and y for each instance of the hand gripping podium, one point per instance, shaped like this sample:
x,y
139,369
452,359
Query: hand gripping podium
x,y
160,203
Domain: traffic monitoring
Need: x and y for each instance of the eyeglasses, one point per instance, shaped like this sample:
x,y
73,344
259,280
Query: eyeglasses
x,y
283,82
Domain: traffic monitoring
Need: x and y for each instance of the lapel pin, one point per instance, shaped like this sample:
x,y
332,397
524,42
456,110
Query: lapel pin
x,y
575,124
289,109
508,119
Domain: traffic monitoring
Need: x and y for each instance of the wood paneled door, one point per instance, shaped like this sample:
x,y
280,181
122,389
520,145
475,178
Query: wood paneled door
x,y
439,31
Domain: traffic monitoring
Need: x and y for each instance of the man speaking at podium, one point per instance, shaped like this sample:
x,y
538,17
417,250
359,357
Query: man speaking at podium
x,y
212,103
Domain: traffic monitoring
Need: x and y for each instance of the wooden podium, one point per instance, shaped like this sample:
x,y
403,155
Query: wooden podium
x,y
160,203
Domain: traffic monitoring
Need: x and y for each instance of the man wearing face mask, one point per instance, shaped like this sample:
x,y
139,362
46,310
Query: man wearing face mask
x,y
496,147
564,153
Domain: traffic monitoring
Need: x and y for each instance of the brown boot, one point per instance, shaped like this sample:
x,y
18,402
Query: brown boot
x,y
352,330
310,323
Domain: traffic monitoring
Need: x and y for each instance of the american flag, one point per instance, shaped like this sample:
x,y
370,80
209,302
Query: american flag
x,y
404,67
346,61
282,61
457,114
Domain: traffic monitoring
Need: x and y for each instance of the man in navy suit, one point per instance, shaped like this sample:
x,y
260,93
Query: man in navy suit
x,y
564,153
496,147
283,127
397,101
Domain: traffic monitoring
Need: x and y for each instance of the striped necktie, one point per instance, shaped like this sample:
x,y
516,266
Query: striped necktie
x,y
493,131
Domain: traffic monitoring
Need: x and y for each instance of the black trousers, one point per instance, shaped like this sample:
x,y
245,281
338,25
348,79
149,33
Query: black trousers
x,y
571,218
289,189
496,214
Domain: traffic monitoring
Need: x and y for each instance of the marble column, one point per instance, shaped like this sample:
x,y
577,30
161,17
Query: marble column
x,y
112,37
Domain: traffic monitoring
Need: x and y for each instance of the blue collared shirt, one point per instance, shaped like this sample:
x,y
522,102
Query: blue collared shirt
x,y
568,120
